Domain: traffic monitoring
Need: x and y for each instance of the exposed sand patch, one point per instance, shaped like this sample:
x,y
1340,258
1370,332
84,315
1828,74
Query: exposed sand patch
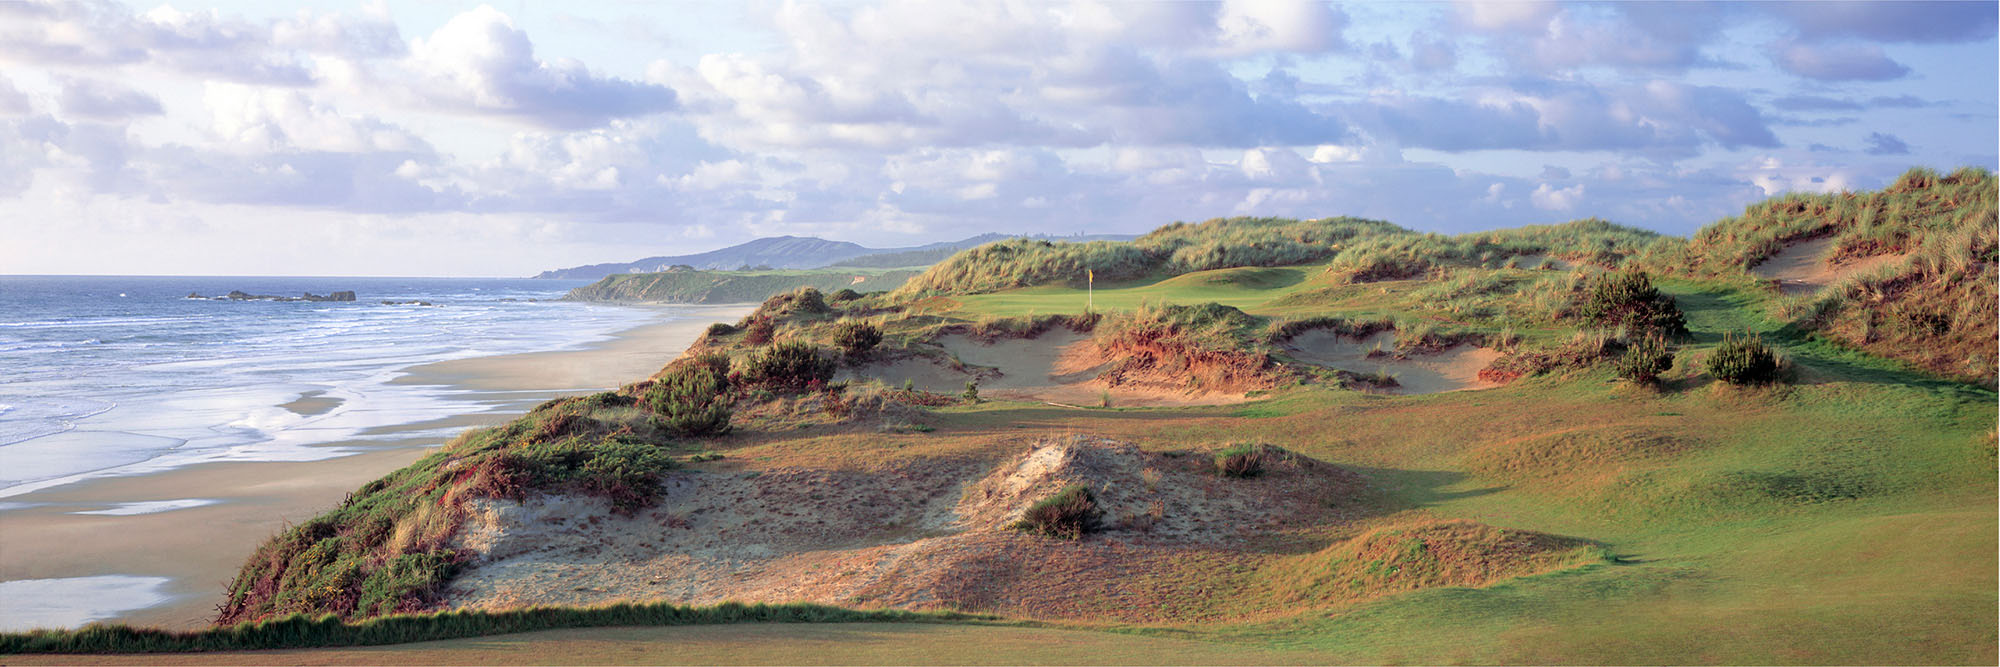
x,y
1059,366
1802,267
313,403
1453,369
932,534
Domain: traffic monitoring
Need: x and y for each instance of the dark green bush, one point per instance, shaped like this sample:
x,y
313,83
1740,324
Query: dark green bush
x,y
720,329
1240,461
1068,514
844,295
1644,360
1628,298
857,338
693,397
971,392
1743,360
787,367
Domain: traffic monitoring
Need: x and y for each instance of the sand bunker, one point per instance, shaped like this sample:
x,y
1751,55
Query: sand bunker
x,y
1802,267
1453,369
1540,261
931,534
1059,366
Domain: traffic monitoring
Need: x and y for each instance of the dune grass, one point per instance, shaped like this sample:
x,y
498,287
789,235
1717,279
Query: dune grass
x,y
301,631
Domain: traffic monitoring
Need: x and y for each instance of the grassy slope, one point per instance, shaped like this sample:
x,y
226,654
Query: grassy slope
x,y
733,286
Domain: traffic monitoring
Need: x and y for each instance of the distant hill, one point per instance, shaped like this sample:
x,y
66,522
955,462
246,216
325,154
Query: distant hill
x,y
799,252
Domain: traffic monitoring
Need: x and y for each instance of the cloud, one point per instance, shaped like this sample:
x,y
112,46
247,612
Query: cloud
x,y
1295,26
371,35
1642,36
1556,199
1837,62
272,120
1877,143
92,99
1898,21
1662,118
904,75
479,62
1823,103
13,102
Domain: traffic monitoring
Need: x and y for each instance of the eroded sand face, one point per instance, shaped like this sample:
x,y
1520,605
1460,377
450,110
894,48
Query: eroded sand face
x,y
921,534
1059,366
1801,268
1454,369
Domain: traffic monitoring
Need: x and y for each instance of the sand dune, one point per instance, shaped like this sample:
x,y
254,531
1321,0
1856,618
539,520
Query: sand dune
x,y
1454,369
1059,366
1802,267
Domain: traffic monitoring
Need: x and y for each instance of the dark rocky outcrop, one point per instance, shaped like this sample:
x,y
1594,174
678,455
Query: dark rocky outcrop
x,y
239,295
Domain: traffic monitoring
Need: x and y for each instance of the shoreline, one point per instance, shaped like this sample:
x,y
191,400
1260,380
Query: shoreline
x,y
199,547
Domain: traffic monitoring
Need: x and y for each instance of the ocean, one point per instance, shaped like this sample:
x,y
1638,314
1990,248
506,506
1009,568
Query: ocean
x,y
115,375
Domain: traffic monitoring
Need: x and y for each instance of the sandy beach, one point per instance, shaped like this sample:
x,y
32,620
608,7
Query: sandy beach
x,y
227,509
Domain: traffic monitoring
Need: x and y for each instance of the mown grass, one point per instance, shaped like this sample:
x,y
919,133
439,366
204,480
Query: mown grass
x,y
301,631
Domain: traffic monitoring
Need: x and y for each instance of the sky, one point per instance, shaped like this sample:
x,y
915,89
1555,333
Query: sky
x,y
237,137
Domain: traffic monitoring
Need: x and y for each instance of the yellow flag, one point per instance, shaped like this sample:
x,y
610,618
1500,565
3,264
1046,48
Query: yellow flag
x,y
1091,274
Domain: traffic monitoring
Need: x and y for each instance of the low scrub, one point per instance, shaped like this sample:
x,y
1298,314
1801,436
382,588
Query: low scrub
x,y
1025,262
1644,360
1068,514
693,398
1628,299
856,338
792,367
1743,360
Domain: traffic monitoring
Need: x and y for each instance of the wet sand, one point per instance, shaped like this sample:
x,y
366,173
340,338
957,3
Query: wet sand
x,y
631,356
200,548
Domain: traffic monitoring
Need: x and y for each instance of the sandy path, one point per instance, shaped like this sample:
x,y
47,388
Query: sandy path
x,y
200,548
1454,369
1801,268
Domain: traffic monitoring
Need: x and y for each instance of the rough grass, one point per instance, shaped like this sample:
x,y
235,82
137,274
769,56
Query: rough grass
x,y
387,548
301,631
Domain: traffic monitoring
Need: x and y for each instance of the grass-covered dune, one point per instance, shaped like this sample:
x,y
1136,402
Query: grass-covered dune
x,y
1568,444
733,286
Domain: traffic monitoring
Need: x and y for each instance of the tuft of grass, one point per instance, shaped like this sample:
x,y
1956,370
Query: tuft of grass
x,y
1068,514
1240,461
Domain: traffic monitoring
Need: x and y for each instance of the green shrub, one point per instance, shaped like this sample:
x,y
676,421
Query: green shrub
x,y
787,367
971,393
1645,360
1240,461
844,294
1068,514
693,397
856,338
1628,298
1743,360
720,329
